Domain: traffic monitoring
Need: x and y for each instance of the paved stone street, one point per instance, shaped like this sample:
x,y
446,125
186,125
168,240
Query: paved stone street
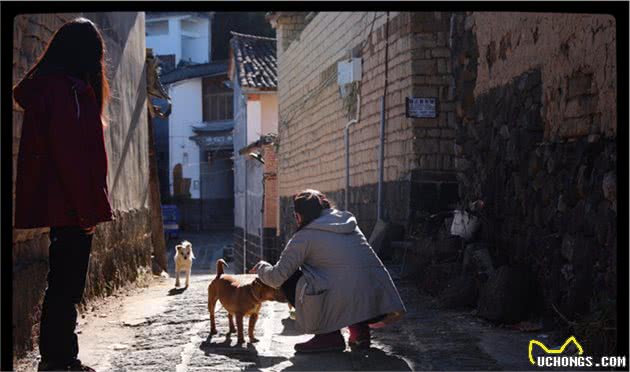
x,y
161,328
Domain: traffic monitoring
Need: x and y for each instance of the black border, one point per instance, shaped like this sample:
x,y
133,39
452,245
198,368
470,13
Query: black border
x,y
618,9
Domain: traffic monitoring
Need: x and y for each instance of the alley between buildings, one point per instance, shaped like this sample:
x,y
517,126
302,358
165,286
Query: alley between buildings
x,y
160,328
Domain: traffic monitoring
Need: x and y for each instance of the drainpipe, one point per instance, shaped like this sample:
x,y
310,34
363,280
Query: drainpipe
x,y
381,152
346,133
245,227
379,204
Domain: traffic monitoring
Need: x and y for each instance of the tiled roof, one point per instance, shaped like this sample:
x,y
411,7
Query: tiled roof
x,y
255,61
194,71
166,62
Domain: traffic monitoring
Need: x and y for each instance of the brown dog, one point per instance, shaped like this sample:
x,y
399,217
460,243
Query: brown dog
x,y
240,297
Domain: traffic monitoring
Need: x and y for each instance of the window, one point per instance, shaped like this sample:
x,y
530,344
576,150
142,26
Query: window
x,y
217,100
156,28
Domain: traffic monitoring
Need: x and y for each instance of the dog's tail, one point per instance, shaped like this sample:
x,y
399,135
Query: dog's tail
x,y
220,264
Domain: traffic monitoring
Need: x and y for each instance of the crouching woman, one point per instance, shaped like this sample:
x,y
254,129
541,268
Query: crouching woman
x,y
332,277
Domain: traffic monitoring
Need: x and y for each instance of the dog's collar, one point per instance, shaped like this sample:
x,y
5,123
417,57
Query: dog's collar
x,y
254,293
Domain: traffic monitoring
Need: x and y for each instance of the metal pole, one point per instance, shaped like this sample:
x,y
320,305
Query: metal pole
x,y
379,207
347,145
201,169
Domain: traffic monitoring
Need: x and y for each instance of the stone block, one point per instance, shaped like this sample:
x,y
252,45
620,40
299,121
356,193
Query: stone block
x,y
579,84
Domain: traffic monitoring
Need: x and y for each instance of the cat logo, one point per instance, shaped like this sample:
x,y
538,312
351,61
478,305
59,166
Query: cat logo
x,y
553,351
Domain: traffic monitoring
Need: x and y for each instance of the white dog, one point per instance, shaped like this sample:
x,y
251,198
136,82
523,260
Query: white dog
x,y
183,260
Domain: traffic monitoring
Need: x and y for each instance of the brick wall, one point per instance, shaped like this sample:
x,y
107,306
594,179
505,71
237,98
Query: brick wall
x,y
121,248
271,204
313,114
289,28
432,77
413,47
271,186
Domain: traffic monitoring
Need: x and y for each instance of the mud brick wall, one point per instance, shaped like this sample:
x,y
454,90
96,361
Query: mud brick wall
x,y
536,133
271,204
121,248
313,113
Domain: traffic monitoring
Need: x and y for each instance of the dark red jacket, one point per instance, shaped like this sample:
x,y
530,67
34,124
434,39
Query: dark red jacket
x,y
62,163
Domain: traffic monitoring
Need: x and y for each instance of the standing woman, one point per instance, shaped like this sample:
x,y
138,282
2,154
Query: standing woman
x,y
332,277
62,175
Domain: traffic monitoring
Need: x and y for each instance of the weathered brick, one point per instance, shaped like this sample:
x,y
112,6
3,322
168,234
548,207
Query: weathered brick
x,y
425,91
424,67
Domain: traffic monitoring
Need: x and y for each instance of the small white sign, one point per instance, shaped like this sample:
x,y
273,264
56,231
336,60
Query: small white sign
x,y
421,107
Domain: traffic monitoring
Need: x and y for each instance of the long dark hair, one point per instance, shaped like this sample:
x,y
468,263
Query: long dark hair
x,y
77,49
309,204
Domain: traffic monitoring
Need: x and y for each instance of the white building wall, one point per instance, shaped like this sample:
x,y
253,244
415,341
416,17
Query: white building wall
x,y
269,114
175,38
195,40
240,141
187,111
254,120
169,43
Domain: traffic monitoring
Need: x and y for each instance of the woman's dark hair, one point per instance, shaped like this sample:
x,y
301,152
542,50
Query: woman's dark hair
x,y
309,204
77,49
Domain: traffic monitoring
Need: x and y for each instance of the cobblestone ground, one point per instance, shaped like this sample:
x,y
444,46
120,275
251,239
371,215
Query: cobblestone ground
x,y
162,328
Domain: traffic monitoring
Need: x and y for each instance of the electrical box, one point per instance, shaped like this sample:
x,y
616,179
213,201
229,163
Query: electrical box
x,y
349,71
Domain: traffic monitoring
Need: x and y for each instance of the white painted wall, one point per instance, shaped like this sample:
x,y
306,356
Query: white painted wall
x,y
240,141
269,107
187,111
196,40
254,120
186,37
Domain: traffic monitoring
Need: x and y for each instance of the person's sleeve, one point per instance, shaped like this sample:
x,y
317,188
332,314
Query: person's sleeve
x,y
290,260
66,145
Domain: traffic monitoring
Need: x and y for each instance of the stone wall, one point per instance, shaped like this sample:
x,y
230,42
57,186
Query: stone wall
x,y
536,133
121,248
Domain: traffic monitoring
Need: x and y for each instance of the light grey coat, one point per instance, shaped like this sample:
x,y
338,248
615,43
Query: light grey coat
x,y
344,281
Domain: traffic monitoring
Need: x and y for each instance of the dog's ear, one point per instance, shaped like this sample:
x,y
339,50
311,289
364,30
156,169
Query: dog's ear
x,y
179,247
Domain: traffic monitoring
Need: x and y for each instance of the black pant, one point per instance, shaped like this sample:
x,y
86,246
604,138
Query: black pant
x,y
69,255
288,287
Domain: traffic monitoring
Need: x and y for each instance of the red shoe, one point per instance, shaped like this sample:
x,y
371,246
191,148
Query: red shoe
x,y
332,341
359,336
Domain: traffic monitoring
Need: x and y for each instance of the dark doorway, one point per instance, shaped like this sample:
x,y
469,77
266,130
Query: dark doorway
x,y
217,190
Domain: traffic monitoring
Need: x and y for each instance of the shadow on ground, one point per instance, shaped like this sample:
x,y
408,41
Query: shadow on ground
x,y
288,327
373,359
176,291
